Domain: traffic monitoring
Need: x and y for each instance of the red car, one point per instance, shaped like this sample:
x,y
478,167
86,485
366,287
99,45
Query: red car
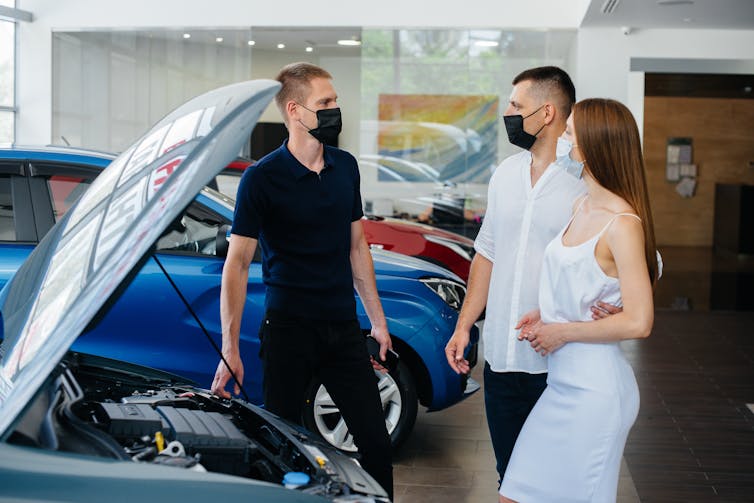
x,y
447,249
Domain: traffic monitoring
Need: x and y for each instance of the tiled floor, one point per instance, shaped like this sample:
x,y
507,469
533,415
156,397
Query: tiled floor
x,y
694,437
449,458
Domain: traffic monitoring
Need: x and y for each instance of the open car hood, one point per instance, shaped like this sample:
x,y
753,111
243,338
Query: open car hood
x,y
97,246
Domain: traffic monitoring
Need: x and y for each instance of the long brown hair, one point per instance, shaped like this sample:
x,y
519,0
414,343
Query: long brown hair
x,y
608,138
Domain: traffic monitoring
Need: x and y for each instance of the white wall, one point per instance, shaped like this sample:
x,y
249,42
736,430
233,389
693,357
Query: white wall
x,y
604,56
90,14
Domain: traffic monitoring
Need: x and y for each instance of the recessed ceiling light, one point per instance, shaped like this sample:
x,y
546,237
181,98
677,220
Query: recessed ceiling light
x,y
349,42
309,49
251,42
486,43
219,39
187,35
281,46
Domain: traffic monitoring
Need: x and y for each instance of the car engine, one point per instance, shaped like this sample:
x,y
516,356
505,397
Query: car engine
x,y
106,408
165,428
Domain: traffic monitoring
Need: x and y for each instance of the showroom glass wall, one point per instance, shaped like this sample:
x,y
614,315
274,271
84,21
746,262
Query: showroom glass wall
x,y
109,87
421,108
432,105
7,77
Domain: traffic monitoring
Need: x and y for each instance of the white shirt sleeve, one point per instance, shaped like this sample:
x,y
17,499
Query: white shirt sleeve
x,y
485,239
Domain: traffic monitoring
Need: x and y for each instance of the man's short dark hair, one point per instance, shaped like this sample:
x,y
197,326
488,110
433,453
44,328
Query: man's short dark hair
x,y
550,83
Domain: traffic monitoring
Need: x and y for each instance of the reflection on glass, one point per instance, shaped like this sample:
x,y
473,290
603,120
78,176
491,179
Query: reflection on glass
x,y
64,192
150,73
7,66
7,220
431,111
59,288
97,194
430,101
7,120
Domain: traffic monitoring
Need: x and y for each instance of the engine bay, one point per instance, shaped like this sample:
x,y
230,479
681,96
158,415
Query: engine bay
x,y
116,412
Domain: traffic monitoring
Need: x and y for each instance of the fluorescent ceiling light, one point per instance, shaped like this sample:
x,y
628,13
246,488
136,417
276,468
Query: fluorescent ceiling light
x,y
251,42
187,35
486,43
349,42
219,39
309,49
281,46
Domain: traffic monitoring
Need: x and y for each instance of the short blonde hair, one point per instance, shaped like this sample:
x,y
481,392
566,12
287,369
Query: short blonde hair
x,y
296,83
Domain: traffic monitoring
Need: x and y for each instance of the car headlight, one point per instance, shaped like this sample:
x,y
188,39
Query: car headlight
x,y
450,291
460,249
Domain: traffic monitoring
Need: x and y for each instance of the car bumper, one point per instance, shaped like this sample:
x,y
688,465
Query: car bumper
x,y
450,388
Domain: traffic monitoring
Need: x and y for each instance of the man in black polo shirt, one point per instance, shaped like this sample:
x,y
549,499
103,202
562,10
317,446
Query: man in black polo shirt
x,y
302,204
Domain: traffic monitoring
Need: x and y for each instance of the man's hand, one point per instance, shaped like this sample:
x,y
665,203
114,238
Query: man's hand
x,y
382,336
526,323
222,375
602,310
454,351
376,366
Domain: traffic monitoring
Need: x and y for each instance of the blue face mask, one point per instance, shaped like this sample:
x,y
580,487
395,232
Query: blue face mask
x,y
565,161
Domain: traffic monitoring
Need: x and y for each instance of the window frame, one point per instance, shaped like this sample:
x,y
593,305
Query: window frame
x,y
23,212
38,173
202,208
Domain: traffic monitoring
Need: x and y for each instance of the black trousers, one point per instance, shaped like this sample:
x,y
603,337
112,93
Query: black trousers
x,y
294,350
509,397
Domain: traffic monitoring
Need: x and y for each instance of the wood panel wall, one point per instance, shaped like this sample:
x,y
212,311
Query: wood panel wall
x,y
722,130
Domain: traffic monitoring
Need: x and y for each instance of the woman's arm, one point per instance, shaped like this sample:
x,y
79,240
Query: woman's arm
x,y
625,241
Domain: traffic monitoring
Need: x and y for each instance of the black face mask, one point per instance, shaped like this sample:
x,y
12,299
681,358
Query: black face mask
x,y
514,126
329,124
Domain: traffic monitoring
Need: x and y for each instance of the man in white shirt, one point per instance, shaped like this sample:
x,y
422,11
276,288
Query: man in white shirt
x,y
529,201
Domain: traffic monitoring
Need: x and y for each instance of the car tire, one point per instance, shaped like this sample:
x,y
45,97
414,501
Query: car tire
x,y
399,401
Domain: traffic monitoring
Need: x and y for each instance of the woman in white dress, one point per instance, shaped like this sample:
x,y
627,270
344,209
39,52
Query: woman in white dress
x,y
570,447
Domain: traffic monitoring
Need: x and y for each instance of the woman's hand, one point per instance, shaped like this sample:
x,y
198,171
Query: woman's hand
x,y
544,338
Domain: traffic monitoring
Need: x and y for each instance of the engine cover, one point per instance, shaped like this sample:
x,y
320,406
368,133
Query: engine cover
x,y
221,445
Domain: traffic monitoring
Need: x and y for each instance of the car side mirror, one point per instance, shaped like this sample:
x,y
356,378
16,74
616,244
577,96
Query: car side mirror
x,y
221,241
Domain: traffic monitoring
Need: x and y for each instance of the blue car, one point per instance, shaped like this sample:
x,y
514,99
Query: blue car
x,y
168,317
78,427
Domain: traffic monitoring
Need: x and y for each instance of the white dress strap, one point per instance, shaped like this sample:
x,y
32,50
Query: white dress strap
x,y
616,216
578,208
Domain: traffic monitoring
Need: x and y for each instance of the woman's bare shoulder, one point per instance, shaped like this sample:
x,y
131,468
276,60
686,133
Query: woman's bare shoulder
x,y
619,205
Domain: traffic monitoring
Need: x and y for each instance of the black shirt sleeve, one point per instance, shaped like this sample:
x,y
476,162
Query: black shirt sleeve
x,y
357,211
249,212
